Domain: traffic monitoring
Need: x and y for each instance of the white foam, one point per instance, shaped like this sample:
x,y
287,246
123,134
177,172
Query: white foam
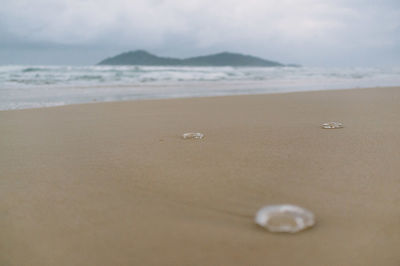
x,y
38,86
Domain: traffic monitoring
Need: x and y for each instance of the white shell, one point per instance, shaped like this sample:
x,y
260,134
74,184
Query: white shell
x,y
332,125
192,135
284,218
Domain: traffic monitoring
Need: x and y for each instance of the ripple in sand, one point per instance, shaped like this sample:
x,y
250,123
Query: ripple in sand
x,y
284,218
332,125
192,135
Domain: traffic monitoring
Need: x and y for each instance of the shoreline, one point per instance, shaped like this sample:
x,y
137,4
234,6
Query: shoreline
x,y
115,184
200,97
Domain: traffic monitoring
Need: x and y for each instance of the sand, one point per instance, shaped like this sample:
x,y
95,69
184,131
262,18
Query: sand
x,y
114,183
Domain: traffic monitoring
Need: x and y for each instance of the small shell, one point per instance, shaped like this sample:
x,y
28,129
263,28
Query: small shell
x,y
284,218
192,135
332,125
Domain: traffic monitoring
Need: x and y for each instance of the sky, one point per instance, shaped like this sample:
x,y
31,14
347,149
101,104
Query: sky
x,y
308,32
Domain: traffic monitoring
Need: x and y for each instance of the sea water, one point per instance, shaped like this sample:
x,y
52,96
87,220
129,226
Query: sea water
x,y
41,86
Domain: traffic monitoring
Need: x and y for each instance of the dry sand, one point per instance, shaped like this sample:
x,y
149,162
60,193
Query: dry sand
x,y
114,184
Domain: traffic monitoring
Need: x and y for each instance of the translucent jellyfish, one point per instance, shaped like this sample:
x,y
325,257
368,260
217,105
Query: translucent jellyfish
x,y
284,218
332,125
192,135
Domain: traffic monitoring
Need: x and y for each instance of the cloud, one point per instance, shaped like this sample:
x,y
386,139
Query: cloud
x,y
292,29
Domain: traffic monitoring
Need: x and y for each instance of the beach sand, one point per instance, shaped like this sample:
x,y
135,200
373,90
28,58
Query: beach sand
x,y
115,184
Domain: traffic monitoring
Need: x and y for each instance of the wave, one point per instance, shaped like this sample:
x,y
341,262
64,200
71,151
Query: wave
x,y
22,86
33,69
92,75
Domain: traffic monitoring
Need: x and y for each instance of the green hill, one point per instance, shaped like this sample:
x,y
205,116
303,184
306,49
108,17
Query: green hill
x,y
144,58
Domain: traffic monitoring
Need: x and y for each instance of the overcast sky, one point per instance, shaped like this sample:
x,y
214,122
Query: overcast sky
x,y
308,32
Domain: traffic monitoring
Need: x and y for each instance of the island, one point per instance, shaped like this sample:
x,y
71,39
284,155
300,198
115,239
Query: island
x,y
144,58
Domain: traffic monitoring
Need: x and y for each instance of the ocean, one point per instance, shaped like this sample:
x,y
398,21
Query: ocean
x,y
42,86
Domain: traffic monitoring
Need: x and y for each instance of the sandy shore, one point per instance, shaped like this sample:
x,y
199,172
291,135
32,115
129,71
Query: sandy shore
x,y
114,184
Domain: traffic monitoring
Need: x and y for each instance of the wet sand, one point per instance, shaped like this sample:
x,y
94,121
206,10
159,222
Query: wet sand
x,y
114,183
